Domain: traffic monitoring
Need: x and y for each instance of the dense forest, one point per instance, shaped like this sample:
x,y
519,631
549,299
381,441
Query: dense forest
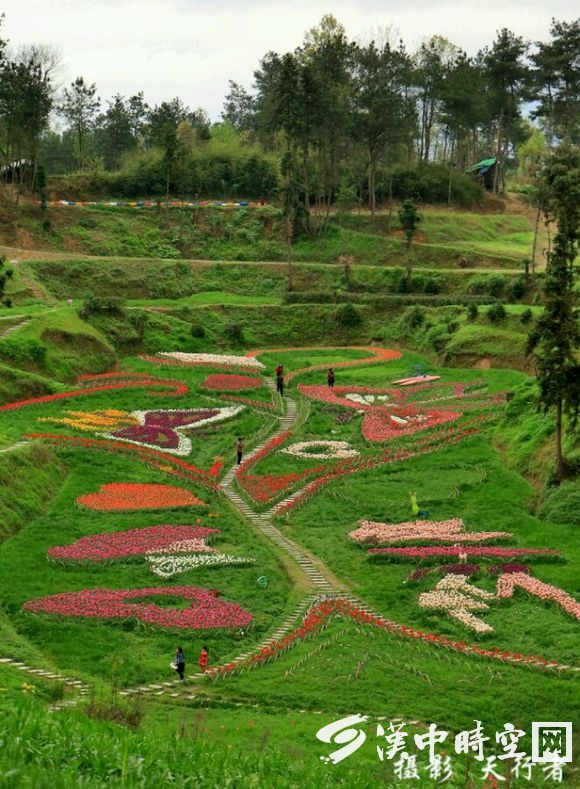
x,y
333,121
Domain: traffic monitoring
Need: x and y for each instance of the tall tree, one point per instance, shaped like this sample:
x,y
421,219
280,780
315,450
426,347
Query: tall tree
x,y
163,123
556,336
239,108
381,111
25,104
431,61
507,84
556,78
79,107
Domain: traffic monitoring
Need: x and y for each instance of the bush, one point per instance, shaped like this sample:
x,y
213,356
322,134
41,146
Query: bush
x,y
517,289
472,311
197,330
101,305
496,312
234,332
413,318
495,285
526,316
348,316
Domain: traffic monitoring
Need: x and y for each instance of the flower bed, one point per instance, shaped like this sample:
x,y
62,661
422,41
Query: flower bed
x,y
222,361
155,458
456,597
166,566
204,612
334,450
321,613
134,542
418,552
163,429
452,530
126,496
416,379
508,582
264,487
231,383
174,388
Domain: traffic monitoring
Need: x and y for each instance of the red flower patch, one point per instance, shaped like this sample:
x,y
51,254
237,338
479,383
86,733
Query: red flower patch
x,y
205,612
231,383
120,496
115,545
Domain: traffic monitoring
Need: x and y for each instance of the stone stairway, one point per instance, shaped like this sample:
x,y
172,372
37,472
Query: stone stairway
x,y
77,685
31,283
313,572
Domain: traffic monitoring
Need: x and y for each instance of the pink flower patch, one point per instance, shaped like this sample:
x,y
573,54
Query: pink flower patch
x,y
205,612
452,530
150,539
383,423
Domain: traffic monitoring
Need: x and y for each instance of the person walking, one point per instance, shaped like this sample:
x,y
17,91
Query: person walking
x,y
280,384
203,658
330,377
180,663
239,449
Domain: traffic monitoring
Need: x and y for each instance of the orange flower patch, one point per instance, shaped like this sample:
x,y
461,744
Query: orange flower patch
x,y
119,496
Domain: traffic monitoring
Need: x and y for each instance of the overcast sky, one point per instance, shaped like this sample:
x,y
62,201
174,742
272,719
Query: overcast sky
x,y
191,48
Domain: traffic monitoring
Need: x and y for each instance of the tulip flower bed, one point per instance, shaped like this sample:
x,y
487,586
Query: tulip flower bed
x,y
205,611
219,361
508,582
325,450
153,429
452,530
423,552
170,387
322,612
124,496
263,488
425,445
163,429
155,458
166,566
135,542
231,383
460,600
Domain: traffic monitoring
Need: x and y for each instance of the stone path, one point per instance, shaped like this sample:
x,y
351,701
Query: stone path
x,y
77,685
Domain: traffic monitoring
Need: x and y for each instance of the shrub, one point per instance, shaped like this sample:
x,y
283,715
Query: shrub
x,y
347,315
526,316
496,312
517,289
234,332
495,285
472,311
101,305
197,330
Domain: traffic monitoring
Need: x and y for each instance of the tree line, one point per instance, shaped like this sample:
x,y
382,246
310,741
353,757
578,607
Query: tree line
x,y
333,119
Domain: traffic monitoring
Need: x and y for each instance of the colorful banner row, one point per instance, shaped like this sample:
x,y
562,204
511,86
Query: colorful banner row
x,y
152,204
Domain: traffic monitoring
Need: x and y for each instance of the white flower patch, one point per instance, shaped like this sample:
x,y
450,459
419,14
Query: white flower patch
x,y
211,359
369,399
186,546
329,450
166,566
146,438
460,600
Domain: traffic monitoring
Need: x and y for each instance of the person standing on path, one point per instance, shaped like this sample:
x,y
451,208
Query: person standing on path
x,y
330,377
239,449
180,663
203,658
280,384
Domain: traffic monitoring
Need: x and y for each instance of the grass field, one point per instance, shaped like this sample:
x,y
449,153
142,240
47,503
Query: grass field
x,y
87,695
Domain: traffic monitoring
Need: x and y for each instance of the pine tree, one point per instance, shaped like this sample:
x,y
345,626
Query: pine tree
x,y
556,337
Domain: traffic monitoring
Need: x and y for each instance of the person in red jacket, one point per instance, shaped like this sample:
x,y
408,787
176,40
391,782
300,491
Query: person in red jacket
x,y
203,658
